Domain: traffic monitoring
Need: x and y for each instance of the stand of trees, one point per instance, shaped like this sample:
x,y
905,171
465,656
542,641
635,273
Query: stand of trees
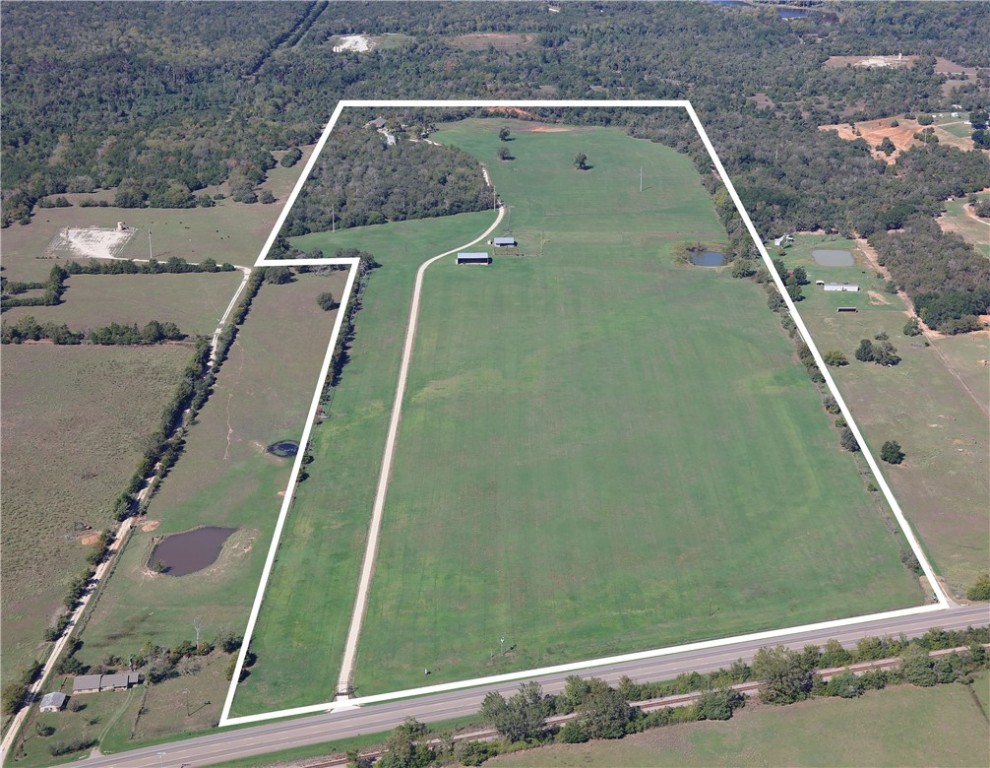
x,y
361,179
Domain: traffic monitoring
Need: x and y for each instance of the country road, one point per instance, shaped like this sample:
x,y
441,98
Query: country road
x,y
225,745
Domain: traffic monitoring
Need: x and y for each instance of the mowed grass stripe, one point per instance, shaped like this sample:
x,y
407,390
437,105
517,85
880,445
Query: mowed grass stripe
x,y
602,451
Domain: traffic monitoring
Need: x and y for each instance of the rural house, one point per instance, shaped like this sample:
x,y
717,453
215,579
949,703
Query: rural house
x,y
851,287
53,702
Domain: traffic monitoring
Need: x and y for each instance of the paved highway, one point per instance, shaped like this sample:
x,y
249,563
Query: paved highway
x,y
224,745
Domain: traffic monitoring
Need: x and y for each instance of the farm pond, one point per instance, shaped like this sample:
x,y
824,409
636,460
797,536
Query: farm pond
x,y
189,551
830,257
708,259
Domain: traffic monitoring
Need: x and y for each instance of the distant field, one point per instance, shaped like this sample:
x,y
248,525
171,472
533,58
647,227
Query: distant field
x,y
899,726
578,432
224,478
74,424
957,218
943,484
194,302
300,633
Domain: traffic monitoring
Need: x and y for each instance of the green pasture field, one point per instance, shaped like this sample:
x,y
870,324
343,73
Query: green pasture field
x,y
898,726
223,478
975,231
303,623
74,424
599,450
942,486
229,231
194,302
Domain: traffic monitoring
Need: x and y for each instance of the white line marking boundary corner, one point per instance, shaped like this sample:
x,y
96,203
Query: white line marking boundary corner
x,y
226,720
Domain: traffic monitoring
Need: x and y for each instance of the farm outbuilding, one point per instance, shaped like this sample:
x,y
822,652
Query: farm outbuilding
x,y
845,309
120,681
504,242
850,287
53,702
473,258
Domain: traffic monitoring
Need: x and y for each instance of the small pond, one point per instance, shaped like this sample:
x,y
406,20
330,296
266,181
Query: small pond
x,y
792,13
283,448
833,258
707,259
188,552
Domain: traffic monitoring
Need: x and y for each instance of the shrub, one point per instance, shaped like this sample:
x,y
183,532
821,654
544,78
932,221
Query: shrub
x,y
891,452
981,589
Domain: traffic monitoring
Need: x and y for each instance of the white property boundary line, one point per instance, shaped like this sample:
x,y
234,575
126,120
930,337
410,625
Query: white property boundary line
x,y
940,596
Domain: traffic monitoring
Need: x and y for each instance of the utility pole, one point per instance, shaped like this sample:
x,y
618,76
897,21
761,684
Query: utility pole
x,y
333,217
640,178
151,254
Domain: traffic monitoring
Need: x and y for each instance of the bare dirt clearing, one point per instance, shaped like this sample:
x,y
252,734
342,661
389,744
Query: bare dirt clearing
x,y
90,242
500,41
901,135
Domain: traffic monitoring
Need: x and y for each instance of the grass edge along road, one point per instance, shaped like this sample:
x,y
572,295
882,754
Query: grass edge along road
x,y
373,405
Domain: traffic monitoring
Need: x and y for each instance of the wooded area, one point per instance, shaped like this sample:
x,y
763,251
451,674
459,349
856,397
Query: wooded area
x,y
159,101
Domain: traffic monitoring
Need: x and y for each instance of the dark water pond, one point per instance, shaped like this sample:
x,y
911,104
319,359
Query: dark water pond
x,y
792,13
188,552
708,259
284,448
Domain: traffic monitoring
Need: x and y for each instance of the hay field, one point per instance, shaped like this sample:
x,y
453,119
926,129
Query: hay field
x,y
223,478
194,302
303,624
74,424
942,485
599,452
595,438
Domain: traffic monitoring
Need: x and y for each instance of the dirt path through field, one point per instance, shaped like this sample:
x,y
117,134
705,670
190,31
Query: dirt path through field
x,y
931,336
371,550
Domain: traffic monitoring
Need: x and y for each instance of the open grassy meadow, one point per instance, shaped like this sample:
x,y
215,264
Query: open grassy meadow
x,y
899,726
959,218
302,626
194,302
601,450
942,485
224,478
74,424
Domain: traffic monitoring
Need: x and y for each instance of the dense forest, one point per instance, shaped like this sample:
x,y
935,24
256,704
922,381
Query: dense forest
x,y
159,100
361,178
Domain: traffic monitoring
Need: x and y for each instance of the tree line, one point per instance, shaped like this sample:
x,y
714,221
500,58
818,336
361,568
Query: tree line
x,y
602,711
29,329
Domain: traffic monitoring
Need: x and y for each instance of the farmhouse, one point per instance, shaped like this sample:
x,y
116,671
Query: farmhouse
x,y
473,258
850,287
378,122
53,702
96,683
504,242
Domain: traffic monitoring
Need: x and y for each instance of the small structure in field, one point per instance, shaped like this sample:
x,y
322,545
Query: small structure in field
x,y
820,282
504,242
848,287
53,702
845,309
473,258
